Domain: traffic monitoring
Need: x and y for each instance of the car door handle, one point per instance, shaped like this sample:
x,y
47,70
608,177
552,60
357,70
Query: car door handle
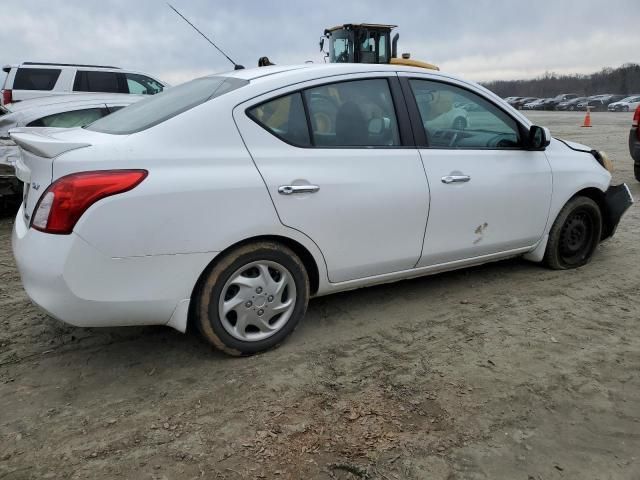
x,y
291,189
455,178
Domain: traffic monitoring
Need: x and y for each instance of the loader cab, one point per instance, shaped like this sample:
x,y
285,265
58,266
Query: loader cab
x,y
358,43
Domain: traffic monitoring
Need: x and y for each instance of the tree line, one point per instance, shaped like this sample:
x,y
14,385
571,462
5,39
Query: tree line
x,y
622,80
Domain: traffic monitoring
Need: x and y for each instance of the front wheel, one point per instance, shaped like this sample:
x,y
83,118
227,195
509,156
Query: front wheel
x,y
252,298
574,235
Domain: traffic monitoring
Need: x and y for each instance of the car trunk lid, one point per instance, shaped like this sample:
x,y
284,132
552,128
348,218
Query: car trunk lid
x,y
34,166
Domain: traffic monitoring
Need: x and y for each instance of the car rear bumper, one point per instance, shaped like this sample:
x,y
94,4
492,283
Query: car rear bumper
x,y
77,284
617,201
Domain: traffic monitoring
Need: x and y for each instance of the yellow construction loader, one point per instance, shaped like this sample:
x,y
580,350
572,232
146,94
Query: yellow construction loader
x,y
366,43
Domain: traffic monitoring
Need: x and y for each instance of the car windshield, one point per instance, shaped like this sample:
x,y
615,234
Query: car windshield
x,y
163,106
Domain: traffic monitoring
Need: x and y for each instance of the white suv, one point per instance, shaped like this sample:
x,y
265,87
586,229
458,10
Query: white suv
x,y
32,80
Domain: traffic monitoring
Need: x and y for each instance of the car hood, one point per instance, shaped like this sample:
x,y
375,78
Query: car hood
x,y
576,146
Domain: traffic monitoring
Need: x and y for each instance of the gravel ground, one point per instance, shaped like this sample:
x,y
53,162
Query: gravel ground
x,y
505,371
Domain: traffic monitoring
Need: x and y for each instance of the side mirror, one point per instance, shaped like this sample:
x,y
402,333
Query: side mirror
x,y
321,43
539,137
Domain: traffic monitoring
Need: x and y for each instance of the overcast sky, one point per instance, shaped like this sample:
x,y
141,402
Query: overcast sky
x,y
479,39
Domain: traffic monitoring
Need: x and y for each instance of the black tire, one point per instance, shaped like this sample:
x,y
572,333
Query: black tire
x,y
636,171
574,235
206,313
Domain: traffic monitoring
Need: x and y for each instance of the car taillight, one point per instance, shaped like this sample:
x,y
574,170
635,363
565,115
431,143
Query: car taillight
x,y
66,199
636,117
7,96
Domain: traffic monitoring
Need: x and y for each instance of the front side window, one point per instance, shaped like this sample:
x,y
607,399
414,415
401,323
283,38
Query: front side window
x,y
76,118
161,107
284,117
457,118
36,78
92,81
356,113
142,85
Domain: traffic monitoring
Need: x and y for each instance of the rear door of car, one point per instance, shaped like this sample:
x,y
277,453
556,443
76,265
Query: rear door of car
x,y
489,195
338,159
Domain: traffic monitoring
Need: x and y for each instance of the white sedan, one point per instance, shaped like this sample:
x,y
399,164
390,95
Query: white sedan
x,y
226,202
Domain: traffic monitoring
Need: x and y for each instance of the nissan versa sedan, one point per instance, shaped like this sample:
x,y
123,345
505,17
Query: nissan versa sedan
x,y
225,203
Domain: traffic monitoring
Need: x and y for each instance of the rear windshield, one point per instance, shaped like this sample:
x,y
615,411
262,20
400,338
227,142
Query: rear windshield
x,y
36,78
163,106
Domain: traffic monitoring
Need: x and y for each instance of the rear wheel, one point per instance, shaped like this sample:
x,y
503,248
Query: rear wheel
x,y
252,298
574,235
636,170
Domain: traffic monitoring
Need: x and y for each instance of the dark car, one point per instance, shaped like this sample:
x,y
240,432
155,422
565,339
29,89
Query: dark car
x,y
599,103
570,105
595,105
634,143
552,103
520,103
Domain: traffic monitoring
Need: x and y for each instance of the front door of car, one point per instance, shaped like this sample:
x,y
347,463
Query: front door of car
x,y
489,195
339,167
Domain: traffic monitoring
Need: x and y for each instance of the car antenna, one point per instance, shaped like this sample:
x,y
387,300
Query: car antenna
x,y
235,65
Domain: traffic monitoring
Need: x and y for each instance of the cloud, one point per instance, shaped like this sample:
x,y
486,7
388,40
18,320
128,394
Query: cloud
x,y
481,40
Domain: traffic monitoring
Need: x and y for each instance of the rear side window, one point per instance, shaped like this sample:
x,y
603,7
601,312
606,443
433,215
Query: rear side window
x,y
76,118
284,117
356,113
36,78
163,106
91,81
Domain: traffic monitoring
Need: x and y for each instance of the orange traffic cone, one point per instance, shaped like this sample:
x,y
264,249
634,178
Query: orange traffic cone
x,y
587,119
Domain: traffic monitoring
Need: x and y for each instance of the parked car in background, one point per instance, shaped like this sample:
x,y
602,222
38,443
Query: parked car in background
x,y
519,104
534,105
32,80
570,104
243,218
514,100
552,103
59,111
597,104
634,143
627,104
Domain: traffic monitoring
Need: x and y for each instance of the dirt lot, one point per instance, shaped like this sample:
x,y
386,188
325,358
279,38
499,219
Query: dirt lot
x,y
506,371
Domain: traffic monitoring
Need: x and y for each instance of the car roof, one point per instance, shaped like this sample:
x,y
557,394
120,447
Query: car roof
x,y
328,69
72,100
277,76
